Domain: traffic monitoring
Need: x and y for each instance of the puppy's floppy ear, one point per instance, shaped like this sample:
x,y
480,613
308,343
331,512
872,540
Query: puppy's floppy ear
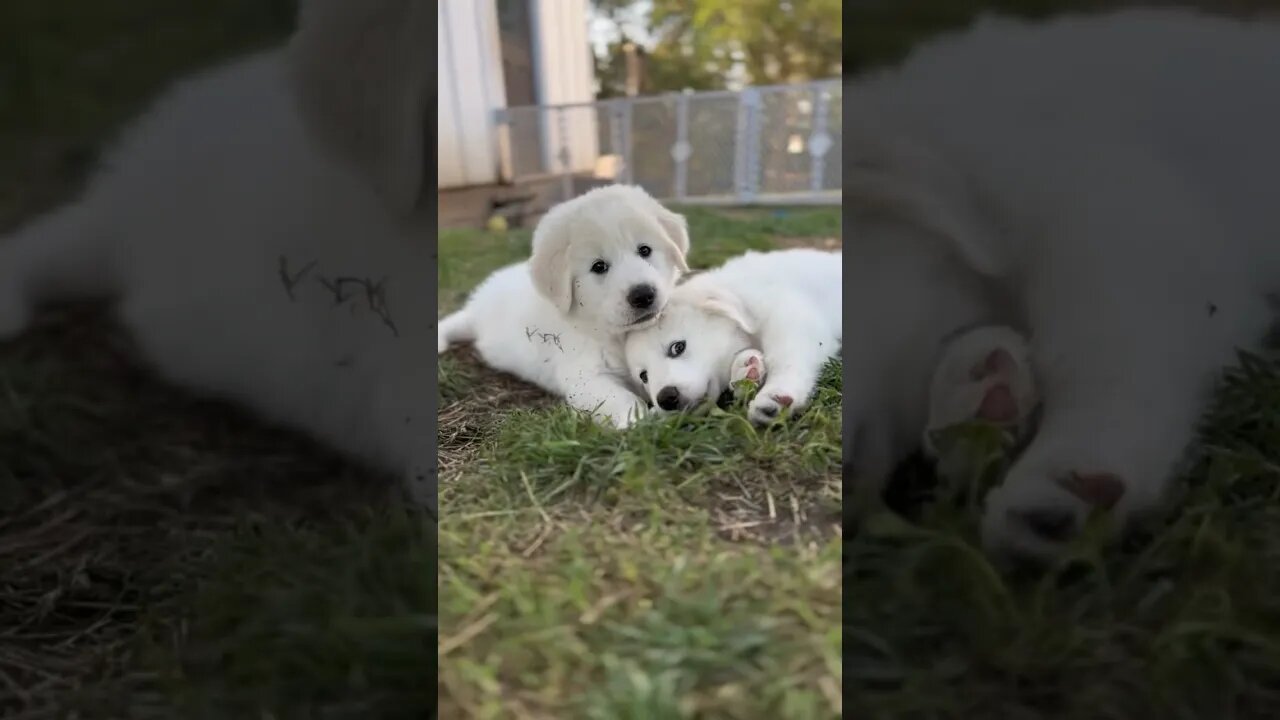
x,y
549,263
722,302
890,173
676,230
362,76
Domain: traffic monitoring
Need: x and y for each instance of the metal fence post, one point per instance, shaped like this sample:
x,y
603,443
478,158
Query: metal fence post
x,y
628,141
746,170
820,139
681,150
502,140
620,135
564,156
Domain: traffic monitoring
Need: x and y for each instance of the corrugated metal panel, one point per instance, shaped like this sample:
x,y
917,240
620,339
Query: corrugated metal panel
x,y
470,88
565,75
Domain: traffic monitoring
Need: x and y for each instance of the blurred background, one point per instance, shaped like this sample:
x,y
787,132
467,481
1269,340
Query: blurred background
x,y
540,101
702,102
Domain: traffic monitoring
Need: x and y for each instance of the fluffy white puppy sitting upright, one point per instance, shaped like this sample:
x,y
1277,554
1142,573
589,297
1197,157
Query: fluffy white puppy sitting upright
x,y
258,230
1117,203
603,263
785,303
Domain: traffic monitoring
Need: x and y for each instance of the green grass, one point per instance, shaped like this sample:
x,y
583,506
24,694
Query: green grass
x,y
1182,622
688,567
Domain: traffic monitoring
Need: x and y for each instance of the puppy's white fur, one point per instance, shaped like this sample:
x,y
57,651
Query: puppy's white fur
x,y
555,322
786,303
227,184
1118,203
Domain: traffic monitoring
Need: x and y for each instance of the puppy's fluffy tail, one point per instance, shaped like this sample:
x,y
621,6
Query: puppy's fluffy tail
x,y
60,256
456,328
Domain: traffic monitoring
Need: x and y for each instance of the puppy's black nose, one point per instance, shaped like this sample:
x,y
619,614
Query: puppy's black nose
x,y
641,297
669,398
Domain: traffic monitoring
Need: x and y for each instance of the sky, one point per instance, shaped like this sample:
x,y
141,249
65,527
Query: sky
x,y
601,31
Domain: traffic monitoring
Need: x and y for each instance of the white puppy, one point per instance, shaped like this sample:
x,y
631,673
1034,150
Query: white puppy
x,y
786,303
257,228
1118,203
603,263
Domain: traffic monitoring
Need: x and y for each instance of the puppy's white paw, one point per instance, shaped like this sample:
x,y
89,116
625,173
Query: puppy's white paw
x,y
984,374
747,365
622,414
1043,506
769,403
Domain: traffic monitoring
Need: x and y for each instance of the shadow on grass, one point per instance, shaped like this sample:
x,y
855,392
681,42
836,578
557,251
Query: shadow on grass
x,y
158,552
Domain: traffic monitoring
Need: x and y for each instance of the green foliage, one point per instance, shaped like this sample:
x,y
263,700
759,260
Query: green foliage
x,y
698,43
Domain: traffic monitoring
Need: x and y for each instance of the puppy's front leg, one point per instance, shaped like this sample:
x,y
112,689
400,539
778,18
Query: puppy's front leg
x,y
606,398
796,346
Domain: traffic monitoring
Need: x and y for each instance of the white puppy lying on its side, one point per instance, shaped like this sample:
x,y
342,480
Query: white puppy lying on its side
x,y
603,263
786,303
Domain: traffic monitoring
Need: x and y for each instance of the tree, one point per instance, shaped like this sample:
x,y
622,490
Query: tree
x,y
704,44
775,41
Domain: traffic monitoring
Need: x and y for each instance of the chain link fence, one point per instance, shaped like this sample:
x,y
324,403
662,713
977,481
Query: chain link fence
x,y
762,145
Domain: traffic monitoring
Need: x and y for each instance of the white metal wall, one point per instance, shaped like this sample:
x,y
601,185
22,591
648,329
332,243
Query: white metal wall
x,y
470,88
565,75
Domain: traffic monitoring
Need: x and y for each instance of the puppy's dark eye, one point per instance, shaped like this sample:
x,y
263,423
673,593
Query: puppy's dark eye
x,y
676,349
644,250
644,376
599,267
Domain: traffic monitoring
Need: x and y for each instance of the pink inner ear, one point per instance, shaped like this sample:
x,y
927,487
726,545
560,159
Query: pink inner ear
x,y
998,405
998,362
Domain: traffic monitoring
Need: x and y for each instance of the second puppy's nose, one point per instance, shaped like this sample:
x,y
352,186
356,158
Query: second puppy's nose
x,y
669,398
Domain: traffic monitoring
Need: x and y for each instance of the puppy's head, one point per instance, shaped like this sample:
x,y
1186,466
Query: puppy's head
x,y
361,73
685,357
609,257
